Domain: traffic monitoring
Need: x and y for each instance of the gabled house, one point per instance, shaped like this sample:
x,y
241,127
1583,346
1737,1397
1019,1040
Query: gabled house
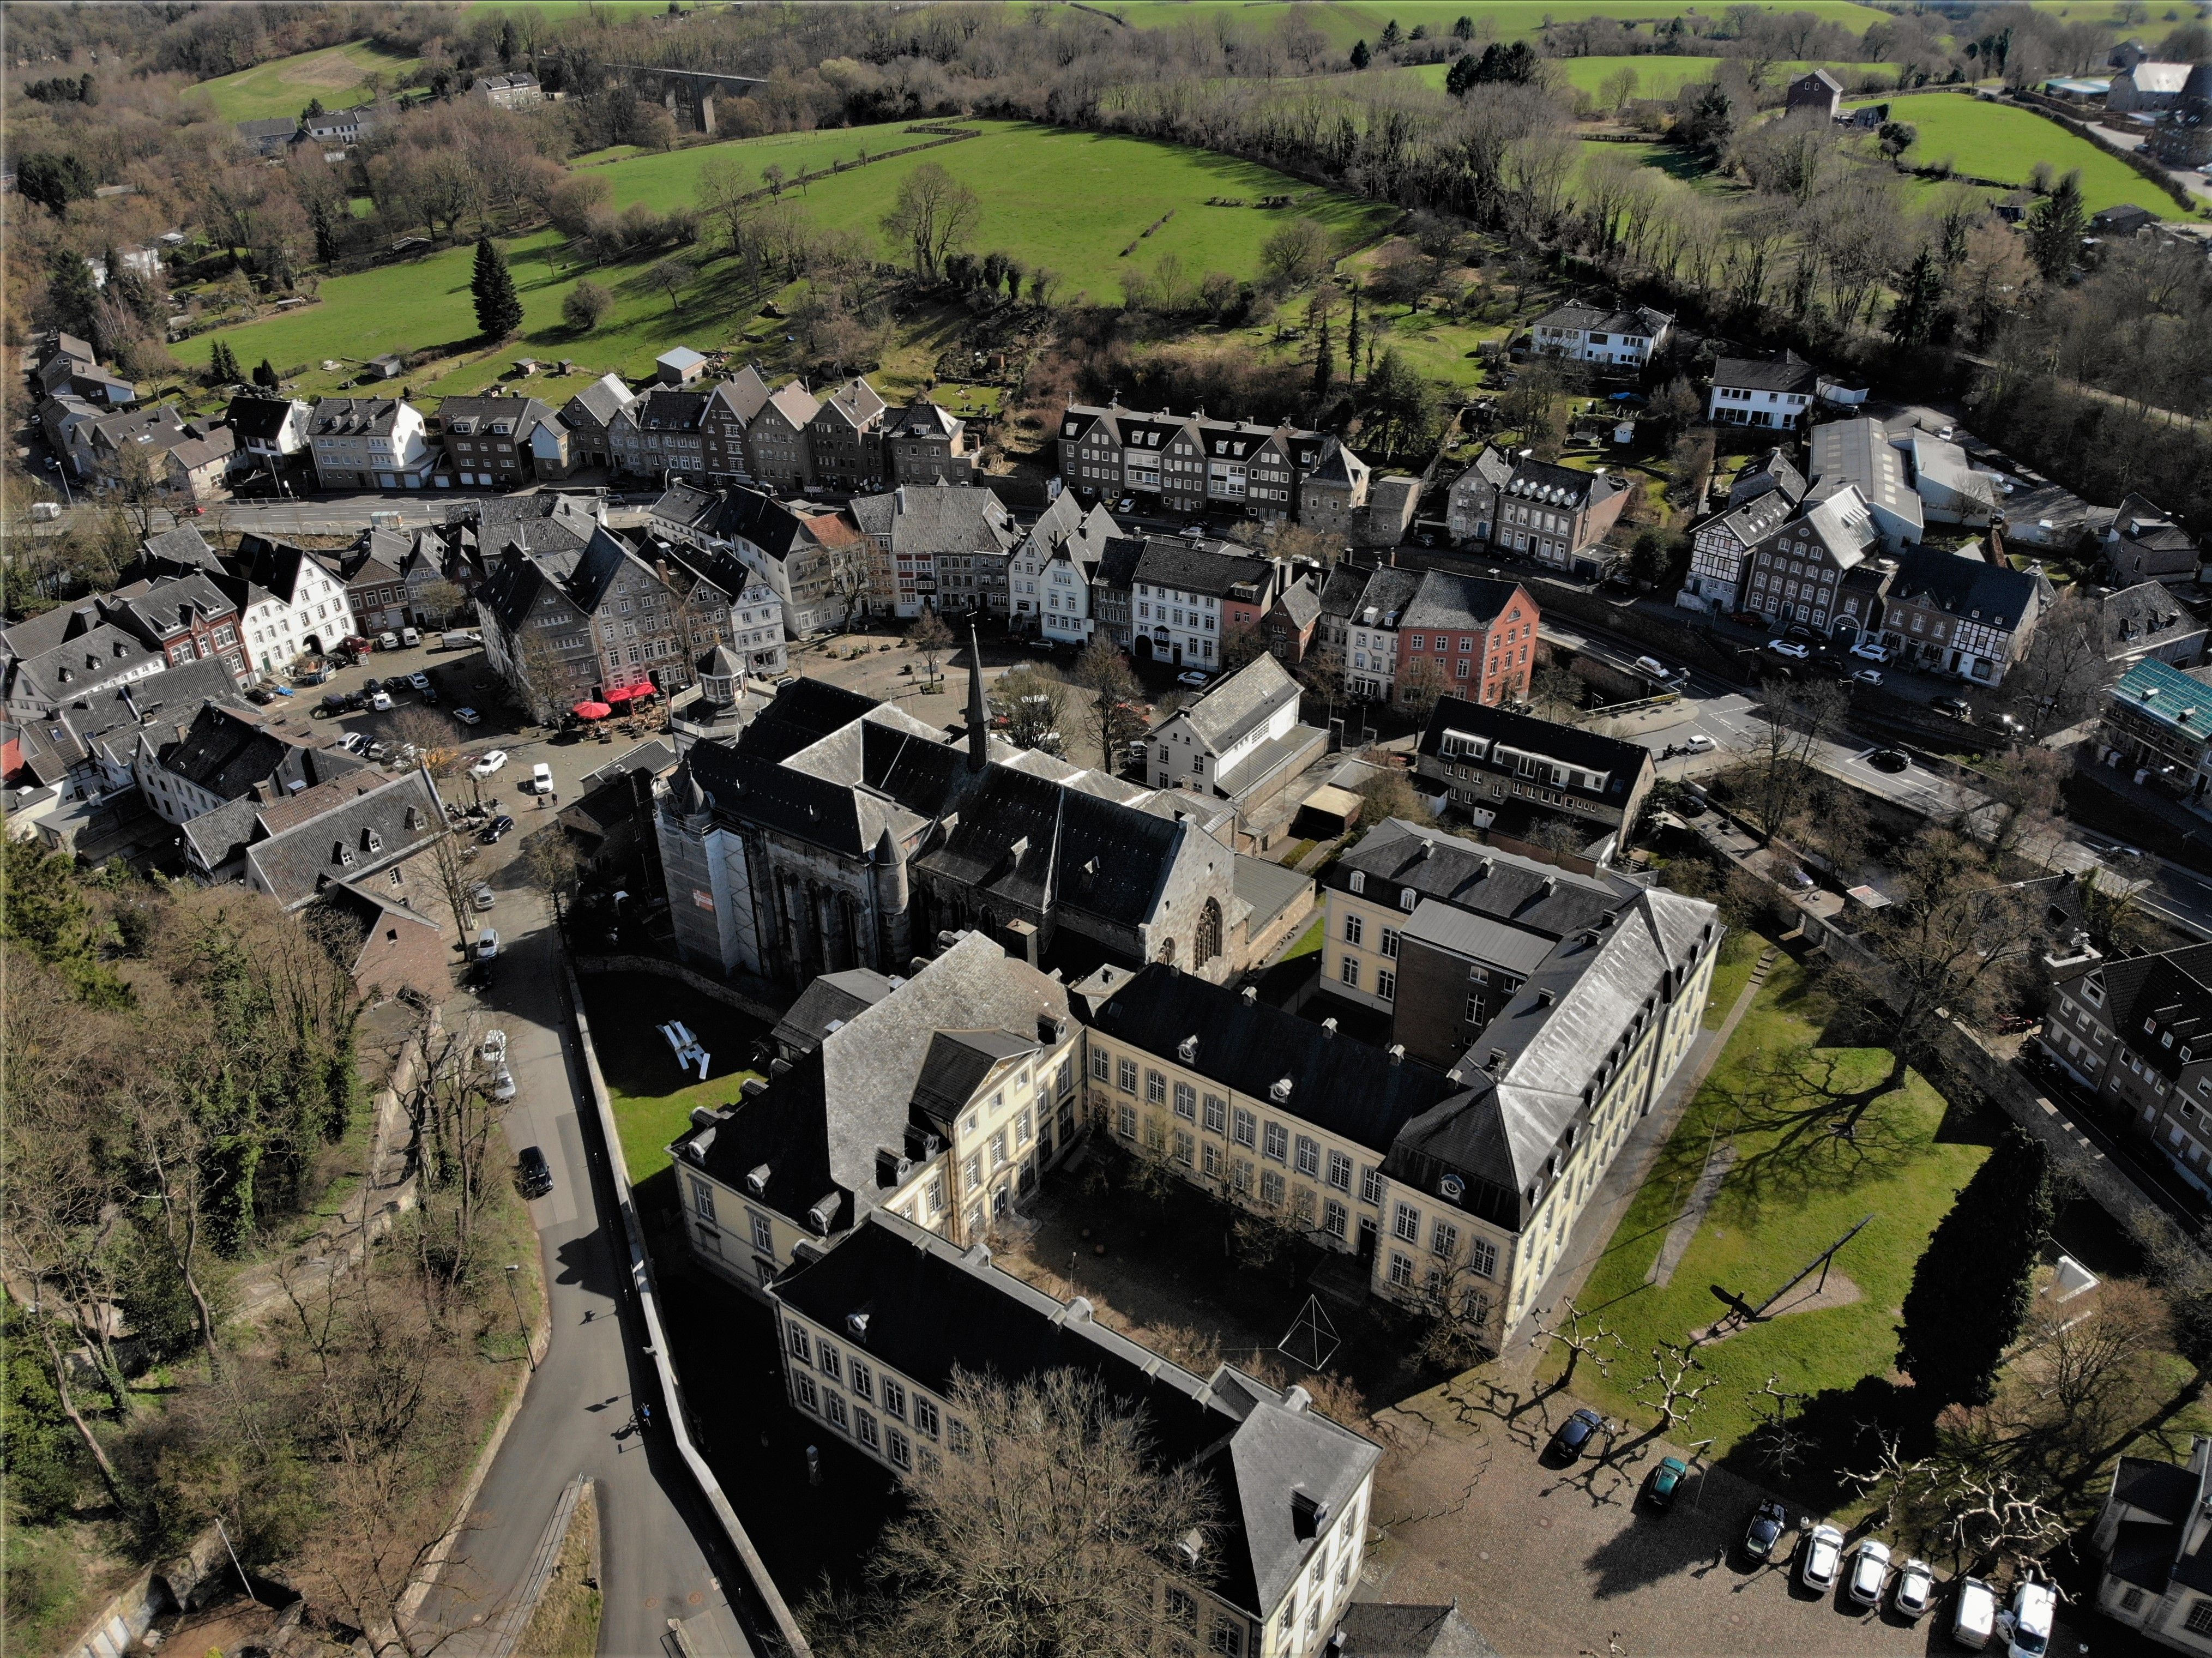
x,y
915,532
1472,497
1476,635
1720,546
661,434
70,366
370,443
2147,87
1256,469
489,439
1361,608
1290,622
776,439
731,406
1960,615
2147,622
270,430
845,438
1332,495
1600,334
188,617
347,833
1777,391
2157,726
2145,542
376,589
2136,1031
924,443
1050,570
1188,595
1240,742
1508,773
1797,570
1554,515
229,754
1816,90
816,560
590,415
313,613
2150,1540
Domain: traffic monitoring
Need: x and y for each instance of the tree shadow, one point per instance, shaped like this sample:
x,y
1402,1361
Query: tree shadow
x,y
1816,1128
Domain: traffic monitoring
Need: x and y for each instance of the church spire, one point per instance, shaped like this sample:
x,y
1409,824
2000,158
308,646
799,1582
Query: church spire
x,y
979,719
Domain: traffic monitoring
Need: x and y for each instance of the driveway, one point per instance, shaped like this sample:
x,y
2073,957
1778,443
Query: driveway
x,y
661,1550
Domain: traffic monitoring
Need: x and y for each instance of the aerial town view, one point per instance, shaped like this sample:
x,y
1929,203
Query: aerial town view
x,y
1106,828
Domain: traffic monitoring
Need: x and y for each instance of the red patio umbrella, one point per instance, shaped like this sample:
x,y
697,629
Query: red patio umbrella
x,y
591,710
622,693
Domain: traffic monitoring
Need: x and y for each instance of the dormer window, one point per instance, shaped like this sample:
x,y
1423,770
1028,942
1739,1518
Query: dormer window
x,y
2150,1027
1358,881
1407,898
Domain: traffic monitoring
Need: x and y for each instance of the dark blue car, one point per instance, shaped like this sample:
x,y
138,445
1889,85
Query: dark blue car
x,y
1574,1434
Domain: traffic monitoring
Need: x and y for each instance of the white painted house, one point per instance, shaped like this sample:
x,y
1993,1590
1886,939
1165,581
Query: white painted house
x,y
1591,333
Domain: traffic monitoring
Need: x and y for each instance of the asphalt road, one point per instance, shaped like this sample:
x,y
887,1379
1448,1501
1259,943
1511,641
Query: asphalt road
x,y
660,1552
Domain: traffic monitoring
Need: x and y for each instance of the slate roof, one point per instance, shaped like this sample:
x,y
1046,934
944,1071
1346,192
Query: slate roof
x,y
184,544
72,728
1300,604
928,1310
258,418
2165,1489
794,403
161,609
1177,563
1752,521
229,751
739,514
666,409
483,417
1560,486
1969,588
294,864
103,654
819,1125
1840,521
1523,890
1466,603
1620,761
802,714
1375,1629
1369,597
277,566
605,398
924,419
2171,991
1232,708
792,802
1598,319
856,404
2145,617
354,417
743,394
938,518
826,1004
1787,372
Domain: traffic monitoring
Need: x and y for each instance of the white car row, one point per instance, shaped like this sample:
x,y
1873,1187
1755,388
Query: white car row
x,y
1975,1621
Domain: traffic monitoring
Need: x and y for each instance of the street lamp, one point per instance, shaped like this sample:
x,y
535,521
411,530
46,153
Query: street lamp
x,y
521,1329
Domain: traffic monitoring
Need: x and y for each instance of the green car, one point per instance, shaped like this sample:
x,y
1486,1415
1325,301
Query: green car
x,y
1666,1482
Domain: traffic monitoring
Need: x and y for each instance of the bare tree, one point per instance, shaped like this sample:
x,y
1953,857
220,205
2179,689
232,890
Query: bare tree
x,y
933,213
1792,721
1420,683
432,735
1031,702
1676,1386
1585,1336
1981,1514
2060,677
1055,1457
1103,671
930,635
456,883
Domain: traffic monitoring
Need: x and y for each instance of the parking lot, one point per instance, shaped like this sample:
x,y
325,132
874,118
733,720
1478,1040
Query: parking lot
x,y
1554,1560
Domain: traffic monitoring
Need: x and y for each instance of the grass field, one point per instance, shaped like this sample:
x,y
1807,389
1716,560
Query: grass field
x,y
672,179
1657,75
1794,1188
1997,141
1069,200
652,1100
284,86
1346,21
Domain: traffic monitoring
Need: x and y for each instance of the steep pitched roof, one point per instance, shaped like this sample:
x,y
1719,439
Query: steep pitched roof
x,y
1195,570
1620,762
258,418
1235,707
1970,587
794,403
357,837
1459,602
605,398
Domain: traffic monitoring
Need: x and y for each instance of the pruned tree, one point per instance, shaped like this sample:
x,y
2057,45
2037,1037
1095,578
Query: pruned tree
x,y
1585,1336
1031,702
1779,1442
456,882
1789,724
1420,683
1674,1387
1982,1514
1055,1457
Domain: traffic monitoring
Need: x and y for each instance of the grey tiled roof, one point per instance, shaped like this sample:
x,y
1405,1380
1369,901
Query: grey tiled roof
x,y
1176,563
1462,603
1234,706
365,834
829,1002
1375,1629
1969,588
1787,372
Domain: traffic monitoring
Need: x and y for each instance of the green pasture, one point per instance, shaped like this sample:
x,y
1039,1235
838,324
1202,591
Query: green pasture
x,y
1658,75
284,85
2003,142
662,181
1676,163
1343,21
1794,1188
1051,196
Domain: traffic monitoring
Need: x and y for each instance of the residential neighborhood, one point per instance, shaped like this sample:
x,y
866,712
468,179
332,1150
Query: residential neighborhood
x,y
1276,832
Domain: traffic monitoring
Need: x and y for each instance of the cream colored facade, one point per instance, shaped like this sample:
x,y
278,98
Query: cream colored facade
x,y
1018,1122
1359,949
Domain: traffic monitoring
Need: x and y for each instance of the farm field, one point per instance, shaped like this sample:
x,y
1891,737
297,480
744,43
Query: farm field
x,y
1691,168
662,181
1343,21
1997,141
1792,1189
284,85
1657,76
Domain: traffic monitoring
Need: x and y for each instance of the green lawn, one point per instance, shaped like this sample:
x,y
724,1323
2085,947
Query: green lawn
x,y
2004,142
1676,163
1738,955
1794,1188
1657,75
1343,21
284,85
651,1100
672,179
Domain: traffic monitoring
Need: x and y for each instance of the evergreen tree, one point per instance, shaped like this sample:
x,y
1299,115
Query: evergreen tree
x,y
1324,357
1351,341
222,365
71,298
1391,35
265,375
1919,312
1461,75
1360,56
1463,29
323,216
499,311
2055,227
1971,1290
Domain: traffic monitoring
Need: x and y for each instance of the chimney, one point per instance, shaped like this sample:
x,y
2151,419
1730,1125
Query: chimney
x,y
1397,1053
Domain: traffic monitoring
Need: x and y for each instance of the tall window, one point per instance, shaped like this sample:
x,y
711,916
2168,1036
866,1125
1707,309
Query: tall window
x,y
1371,1186
1333,1217
1125,1077
1401,1272
1216,1110
1354,926
1444,1240
1247,1126
1155,1087
1278,1142
1101,1064
1407,1222
1482,1256
1308,1155
1186,1101
1339,1171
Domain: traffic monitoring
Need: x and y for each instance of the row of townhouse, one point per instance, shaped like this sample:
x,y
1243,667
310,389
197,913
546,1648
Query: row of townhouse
x,y
1509,773
1475,635
1548,515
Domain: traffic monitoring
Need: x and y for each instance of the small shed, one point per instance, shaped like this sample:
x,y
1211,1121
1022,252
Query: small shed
x,y
679,365
1328,813
387,366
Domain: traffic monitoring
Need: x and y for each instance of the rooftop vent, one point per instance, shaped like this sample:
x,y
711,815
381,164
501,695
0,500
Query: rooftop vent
x,y
1328,1027
1249,995
1191,1546
1186,1049
756,1182
1397,1053
1280,1091
856,1326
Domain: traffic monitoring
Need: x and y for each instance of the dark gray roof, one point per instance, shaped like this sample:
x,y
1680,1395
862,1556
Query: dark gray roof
x,y
938,518
927,1310
1560,486
735,515
229,751
1301,603
365,833
1371,1629
1354,590
1466,603
275,565
1969,587
1622,761
68,730
185,545
1787,372
803,712
1175,563
1481,938
1753,519
353,417
1598,318
1337,1083
827,1003
602,400
1269,888
259,417
2146,617
2165,1489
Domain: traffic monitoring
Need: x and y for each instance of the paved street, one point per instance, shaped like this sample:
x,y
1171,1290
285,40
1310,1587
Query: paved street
x,y
660,1546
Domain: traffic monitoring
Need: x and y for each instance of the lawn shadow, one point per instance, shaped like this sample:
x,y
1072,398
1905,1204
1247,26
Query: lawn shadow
x,y
1807,1121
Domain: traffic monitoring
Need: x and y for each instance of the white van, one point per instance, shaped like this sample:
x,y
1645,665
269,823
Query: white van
x,y
541,780
1975,1618
1653,666
410,638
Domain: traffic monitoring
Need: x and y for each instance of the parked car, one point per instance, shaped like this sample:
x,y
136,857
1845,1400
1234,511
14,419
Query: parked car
x,y
1193,531
494,1051
420,682
534,1175
261,697
1768,1522
1573,1435
498,826
2033,1605
1915,1591
388,641
1870,1572
1867,675
1974,1619
489,762
541,779
1666,1482
1693,804
1194,678
1890,760
1954,707
1700,743
370,686
353,742
409,637
1823,1554
1871,651
482,897
502,1085
1788,648
468,716
1127,504
380,700
1747,619
1804,633
337,702
430,696
487,944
